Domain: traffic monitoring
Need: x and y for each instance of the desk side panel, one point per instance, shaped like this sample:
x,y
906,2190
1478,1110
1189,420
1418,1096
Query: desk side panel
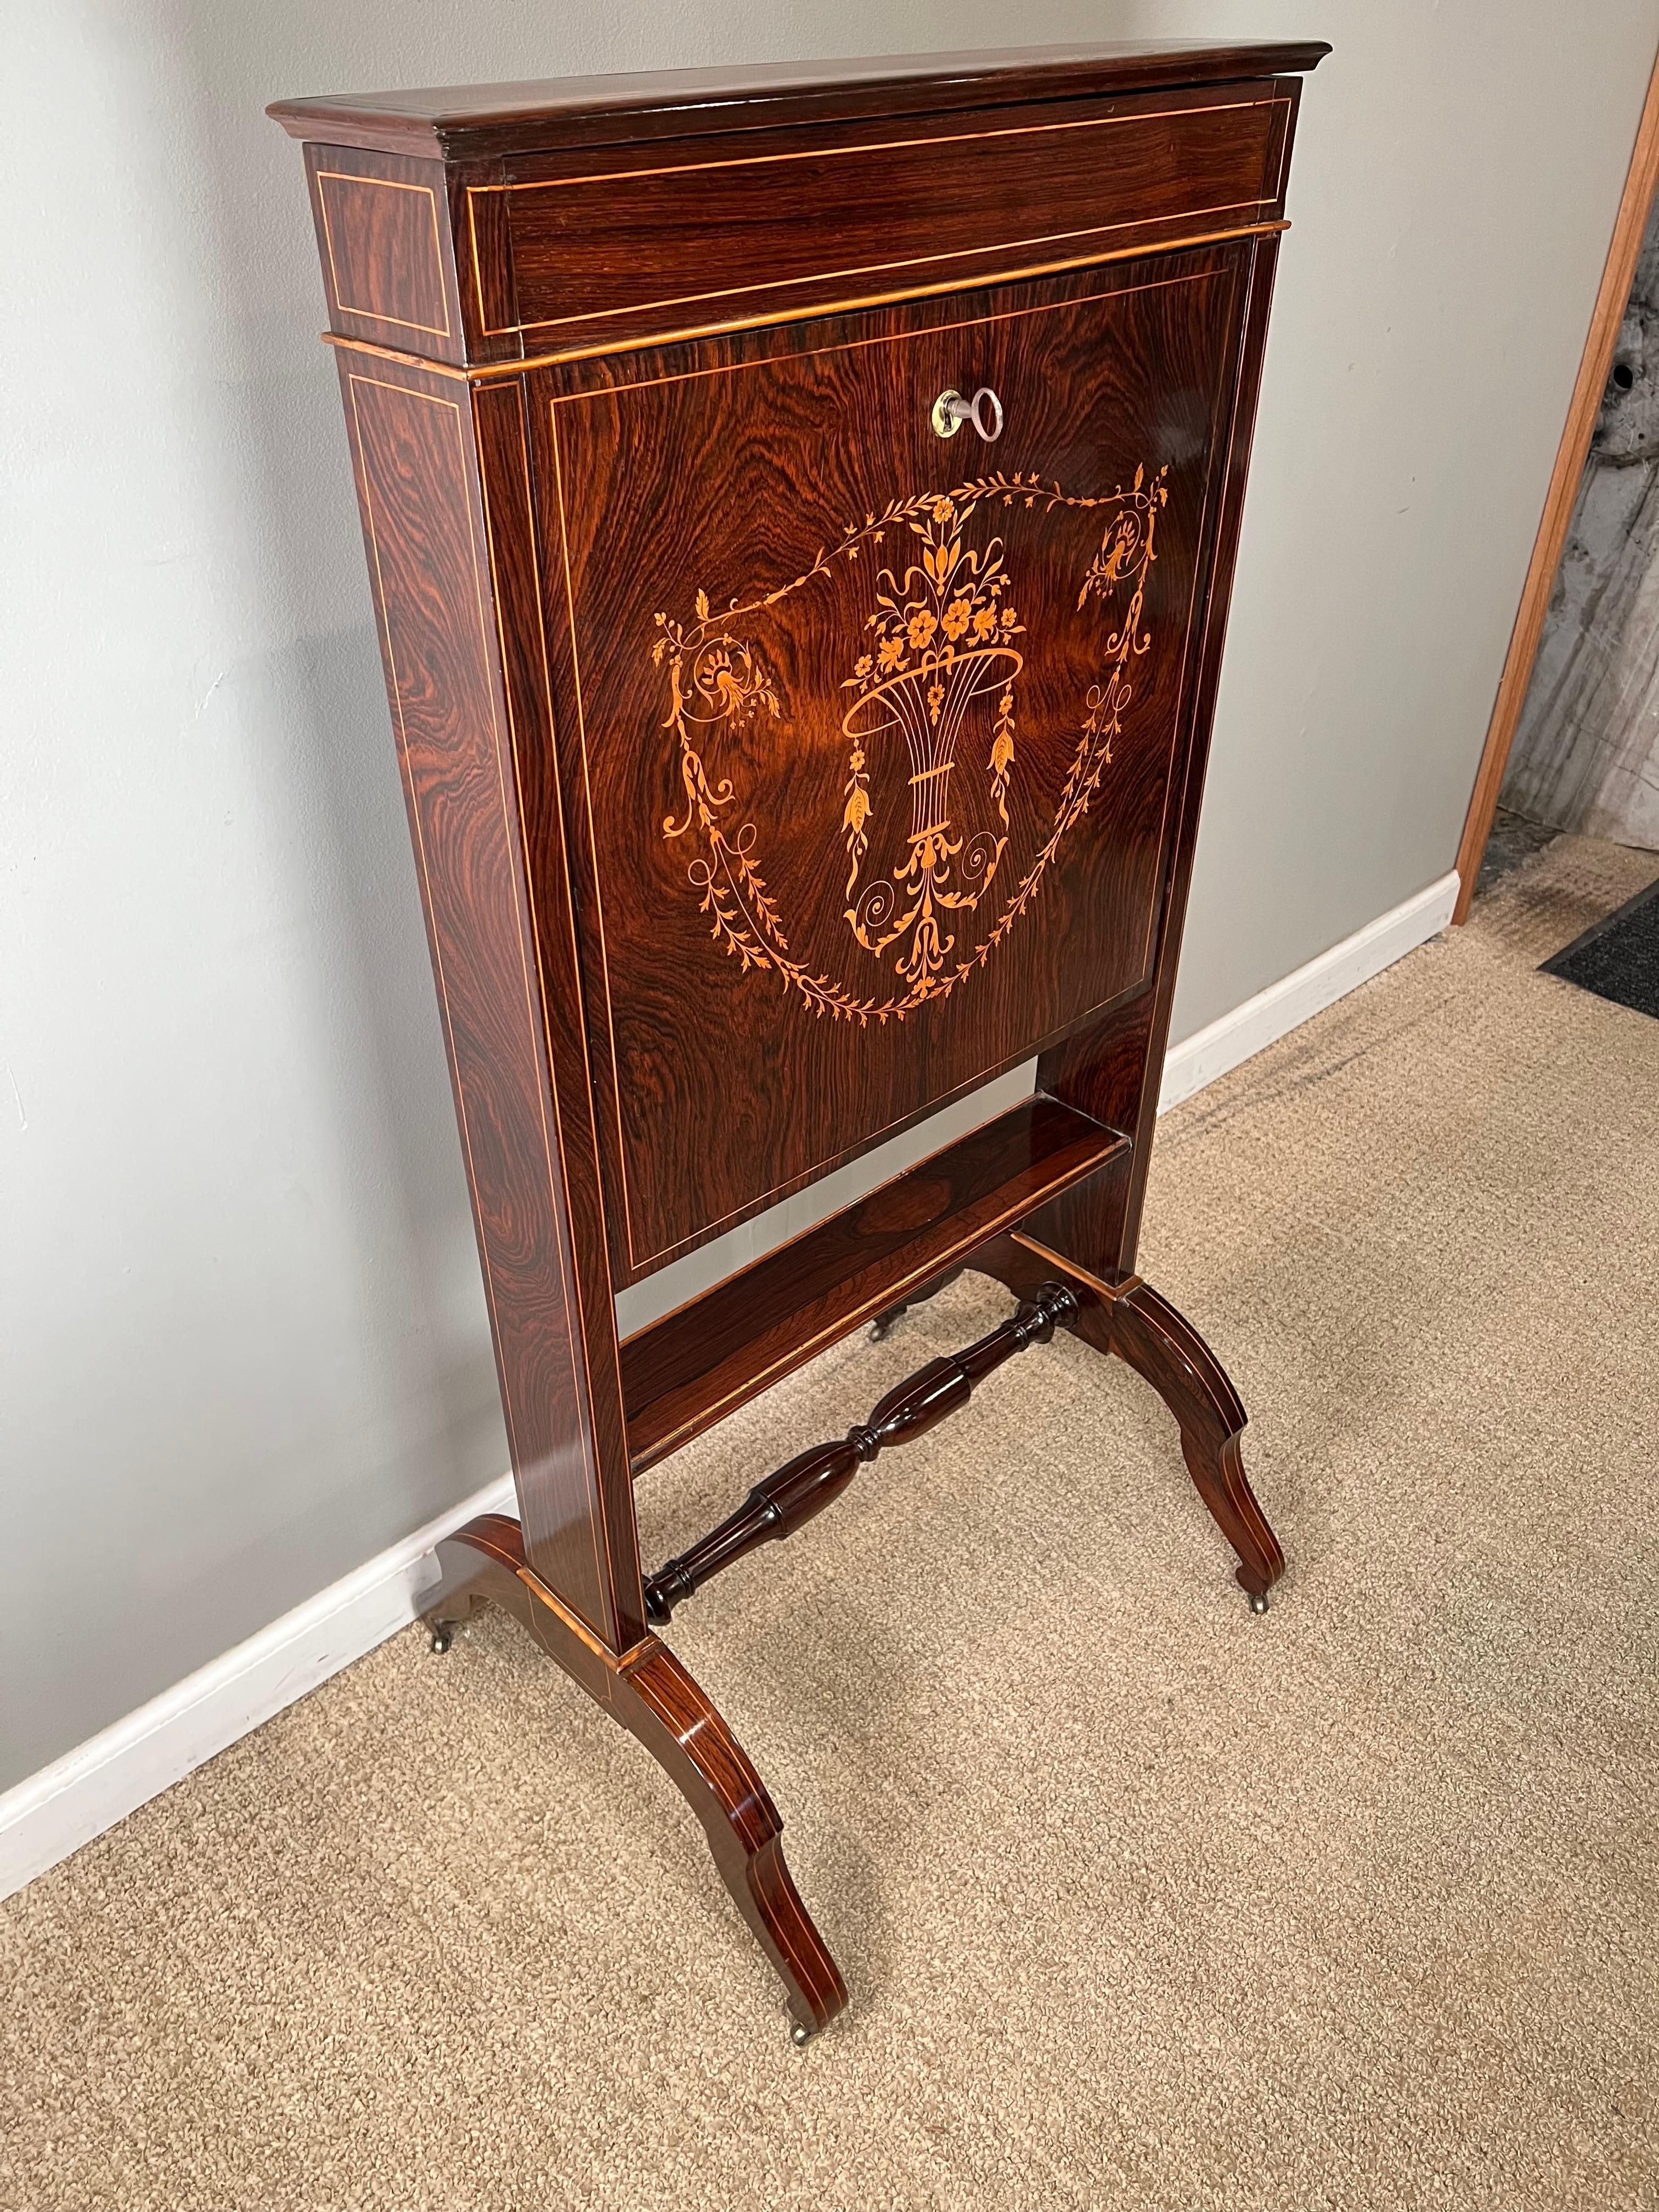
x,y
384,240
415,452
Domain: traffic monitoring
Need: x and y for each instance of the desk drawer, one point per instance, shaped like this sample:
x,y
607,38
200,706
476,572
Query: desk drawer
x,y
646,249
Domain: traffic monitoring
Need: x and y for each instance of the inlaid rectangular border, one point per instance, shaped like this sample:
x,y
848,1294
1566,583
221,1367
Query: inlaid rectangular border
x,y
1274,153
325,177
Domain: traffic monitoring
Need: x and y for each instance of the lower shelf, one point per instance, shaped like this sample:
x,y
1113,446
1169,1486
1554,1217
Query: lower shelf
x,y
697,1364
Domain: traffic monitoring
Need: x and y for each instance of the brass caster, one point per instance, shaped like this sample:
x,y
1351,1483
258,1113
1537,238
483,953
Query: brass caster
x,y
1257,1600
799,2035
443,1635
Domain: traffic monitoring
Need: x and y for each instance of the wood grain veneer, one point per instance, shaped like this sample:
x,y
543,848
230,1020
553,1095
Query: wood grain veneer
x,y
703,1361
778,767
609,247
1068,923
466,123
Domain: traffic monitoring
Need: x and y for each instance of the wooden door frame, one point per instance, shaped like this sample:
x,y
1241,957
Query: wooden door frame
x,y
1594,370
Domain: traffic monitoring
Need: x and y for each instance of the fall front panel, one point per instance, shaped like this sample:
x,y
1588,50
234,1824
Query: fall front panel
x,y
872,730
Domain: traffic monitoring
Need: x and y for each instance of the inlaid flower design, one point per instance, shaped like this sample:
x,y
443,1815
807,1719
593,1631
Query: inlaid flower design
x,y
943,632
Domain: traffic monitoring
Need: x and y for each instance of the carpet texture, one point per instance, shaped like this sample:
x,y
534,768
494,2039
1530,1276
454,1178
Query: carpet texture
x,y
1143,1902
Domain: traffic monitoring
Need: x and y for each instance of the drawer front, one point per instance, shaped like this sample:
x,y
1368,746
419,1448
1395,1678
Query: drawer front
x,y
875,730
659,247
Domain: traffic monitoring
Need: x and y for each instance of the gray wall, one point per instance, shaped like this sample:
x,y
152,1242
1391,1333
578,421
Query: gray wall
x,y
243,1344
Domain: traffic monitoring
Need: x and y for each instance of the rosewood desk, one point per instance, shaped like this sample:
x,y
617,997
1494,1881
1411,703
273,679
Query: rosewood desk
x,y
800,506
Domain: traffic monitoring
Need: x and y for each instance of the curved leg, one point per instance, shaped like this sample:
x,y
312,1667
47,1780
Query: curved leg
x,y
650,1692
1164,1347
1131,1319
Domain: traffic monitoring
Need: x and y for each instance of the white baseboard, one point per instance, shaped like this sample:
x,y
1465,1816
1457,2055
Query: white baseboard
x,y
87,1790
1236,1036
99,1783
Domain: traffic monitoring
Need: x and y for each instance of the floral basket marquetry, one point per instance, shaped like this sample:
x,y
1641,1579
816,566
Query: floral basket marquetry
x,y
943,641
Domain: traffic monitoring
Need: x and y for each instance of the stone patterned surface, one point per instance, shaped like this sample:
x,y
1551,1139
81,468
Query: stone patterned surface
x,y
1586,754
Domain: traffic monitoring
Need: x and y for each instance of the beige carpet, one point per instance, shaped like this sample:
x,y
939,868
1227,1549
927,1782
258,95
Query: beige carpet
x,y
1143,1902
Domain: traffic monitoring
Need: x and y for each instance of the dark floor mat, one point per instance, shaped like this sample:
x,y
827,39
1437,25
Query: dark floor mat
x,y
1619,959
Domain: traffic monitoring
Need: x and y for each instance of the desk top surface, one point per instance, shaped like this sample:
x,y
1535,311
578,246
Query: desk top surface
x,y
479,122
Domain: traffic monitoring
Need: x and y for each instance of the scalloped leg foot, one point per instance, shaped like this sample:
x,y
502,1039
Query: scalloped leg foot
x,y
1162,1346
651,1695
1132,1319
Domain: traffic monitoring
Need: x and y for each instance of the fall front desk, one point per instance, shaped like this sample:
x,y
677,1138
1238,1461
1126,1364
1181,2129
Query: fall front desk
x,y
800,506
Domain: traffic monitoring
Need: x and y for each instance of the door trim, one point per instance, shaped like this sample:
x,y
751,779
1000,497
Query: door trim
x,y
1594,370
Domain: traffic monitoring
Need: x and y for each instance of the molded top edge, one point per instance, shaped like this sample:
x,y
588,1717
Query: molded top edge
x,y
482,121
